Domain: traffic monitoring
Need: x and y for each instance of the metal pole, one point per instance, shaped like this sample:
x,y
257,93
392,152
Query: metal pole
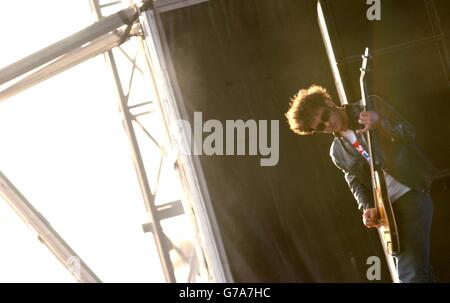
x,y
123,17
189,168
330,52
158,233
55,243
65,62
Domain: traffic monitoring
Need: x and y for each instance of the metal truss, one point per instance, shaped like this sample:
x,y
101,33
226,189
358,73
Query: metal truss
x,y
197,202
181,218
93,40
156,158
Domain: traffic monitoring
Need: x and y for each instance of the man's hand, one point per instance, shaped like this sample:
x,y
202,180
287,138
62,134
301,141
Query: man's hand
x,y
369,119
370,218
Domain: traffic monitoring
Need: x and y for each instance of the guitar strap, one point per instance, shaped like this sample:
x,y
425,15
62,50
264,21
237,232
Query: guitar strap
x,y
395,188
359,147
355,141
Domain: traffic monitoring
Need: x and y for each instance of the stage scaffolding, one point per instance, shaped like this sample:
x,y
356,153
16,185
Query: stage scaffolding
x,y
131,37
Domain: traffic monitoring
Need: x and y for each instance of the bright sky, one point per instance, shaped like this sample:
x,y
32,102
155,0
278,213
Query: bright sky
x,y
64,148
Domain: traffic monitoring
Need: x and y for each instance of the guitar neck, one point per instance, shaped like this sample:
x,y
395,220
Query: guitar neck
x,y
388,230
366,107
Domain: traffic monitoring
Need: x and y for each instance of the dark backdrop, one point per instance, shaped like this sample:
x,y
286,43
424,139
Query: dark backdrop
x,y
244,59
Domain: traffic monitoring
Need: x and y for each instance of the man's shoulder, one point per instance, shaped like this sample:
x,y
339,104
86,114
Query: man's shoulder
x,y
337,153
335,147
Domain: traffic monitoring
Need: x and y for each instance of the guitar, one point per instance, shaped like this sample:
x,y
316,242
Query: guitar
x,y
388,231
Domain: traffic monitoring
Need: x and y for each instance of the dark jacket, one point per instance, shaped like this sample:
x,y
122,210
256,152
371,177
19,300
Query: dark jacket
x,y
394,148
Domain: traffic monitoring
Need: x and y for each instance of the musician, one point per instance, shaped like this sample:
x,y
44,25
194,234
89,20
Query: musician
x,y
408,173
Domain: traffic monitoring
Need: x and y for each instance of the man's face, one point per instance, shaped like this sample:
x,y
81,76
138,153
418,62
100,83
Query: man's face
x,y
328,120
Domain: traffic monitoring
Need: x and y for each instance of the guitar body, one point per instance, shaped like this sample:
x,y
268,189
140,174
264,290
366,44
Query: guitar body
x,y
388,230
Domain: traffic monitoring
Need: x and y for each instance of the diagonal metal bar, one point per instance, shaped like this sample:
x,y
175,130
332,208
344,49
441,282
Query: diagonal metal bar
x,y
330,52
47,234
130,81
158,175
65,62
140,104
129,58
110,23
143,113
148,134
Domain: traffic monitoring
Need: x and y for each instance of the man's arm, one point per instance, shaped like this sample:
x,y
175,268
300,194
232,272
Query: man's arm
x,y
363,195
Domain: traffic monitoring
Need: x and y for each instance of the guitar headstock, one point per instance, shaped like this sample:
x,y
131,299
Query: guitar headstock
x,y
364,67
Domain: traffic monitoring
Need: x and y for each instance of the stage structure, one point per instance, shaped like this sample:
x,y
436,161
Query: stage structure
x,y
133,46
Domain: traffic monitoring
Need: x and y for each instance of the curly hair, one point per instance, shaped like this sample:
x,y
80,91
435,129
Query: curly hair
x,y
303,107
